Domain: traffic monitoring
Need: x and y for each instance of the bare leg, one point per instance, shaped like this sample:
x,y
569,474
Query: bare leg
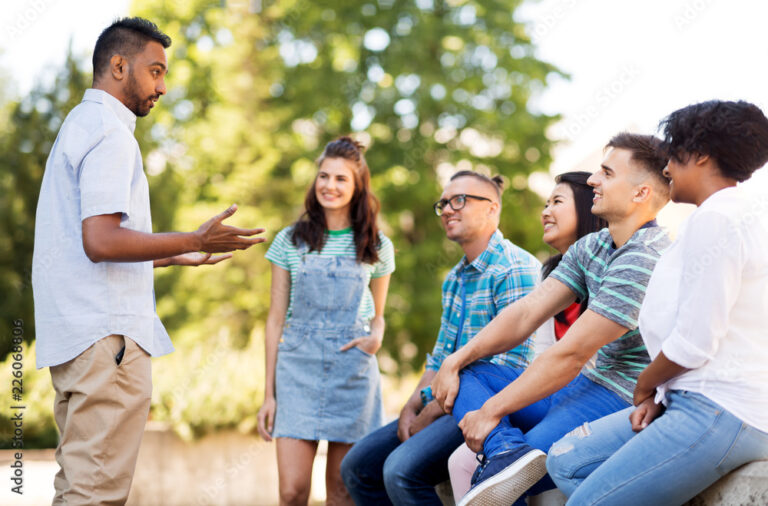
x,y
294,468
336,492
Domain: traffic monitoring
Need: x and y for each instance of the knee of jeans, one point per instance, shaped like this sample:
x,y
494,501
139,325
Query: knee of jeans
x,y
396,470
561,457
349,469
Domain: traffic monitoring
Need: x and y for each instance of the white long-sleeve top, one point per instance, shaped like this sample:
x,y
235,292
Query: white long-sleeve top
x,y
706,306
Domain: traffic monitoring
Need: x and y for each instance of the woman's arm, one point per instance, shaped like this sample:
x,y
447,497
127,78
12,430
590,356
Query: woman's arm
x,y
372,342
278,307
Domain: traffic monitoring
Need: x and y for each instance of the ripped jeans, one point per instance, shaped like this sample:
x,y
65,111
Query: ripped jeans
x,y
694,443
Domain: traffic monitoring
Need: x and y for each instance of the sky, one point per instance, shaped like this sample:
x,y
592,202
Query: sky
x,y
629,63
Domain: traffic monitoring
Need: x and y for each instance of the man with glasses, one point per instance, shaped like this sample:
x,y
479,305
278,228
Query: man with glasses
x,y
403,461
610,269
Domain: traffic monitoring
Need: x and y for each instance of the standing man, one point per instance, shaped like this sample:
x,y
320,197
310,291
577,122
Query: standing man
x,y
402,462
92,268
610,269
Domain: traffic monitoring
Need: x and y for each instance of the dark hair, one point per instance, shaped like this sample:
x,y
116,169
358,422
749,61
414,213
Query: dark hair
x,y
311,228
646,150
733,134
496,182
586,222
126,36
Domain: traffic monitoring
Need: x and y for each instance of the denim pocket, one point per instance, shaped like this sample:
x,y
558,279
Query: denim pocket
x,y
365,353
292,338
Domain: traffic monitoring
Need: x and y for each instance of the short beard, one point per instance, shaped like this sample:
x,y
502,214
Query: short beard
x,y
132,96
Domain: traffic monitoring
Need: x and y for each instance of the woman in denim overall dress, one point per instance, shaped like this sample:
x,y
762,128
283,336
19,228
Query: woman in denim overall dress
x,y
330,276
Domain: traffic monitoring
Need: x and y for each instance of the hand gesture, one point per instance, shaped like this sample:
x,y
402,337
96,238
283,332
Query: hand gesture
x,y
407,416
369,344
215,237
195,259
445,385
646,412
266,418
429,414
476,425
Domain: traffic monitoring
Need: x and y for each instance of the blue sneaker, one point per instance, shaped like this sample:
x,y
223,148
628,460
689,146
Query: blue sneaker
x,y
503,478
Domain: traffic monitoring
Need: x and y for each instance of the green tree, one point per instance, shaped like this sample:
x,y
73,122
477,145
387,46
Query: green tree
x,y
433,86
255,90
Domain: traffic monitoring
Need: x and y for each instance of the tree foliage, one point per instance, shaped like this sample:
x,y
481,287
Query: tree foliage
x,y
255,90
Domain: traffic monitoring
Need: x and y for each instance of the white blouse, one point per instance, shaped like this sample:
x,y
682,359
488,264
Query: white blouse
x,y
707,303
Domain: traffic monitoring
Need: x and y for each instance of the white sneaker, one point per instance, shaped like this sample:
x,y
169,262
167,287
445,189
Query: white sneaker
x,y
511,475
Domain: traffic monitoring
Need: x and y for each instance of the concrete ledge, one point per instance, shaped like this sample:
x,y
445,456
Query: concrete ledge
x,y
746,486
231,469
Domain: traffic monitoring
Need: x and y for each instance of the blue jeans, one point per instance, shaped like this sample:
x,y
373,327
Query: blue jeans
x,y
540,424
379,469
692,445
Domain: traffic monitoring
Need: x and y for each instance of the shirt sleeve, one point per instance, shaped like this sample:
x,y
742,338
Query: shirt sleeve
x,y
623,285
278,250
570,271
514,284
106,174
709,286
386,263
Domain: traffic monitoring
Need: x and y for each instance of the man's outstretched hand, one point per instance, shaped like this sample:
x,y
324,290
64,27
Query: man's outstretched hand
x,y
215,237
192,259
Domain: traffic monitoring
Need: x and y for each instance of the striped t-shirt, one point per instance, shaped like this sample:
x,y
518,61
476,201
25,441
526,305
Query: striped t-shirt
x,y
615,281
284,254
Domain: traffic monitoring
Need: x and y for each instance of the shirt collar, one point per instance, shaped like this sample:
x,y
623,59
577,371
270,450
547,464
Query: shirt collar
x,y
648,224
121,111
483,259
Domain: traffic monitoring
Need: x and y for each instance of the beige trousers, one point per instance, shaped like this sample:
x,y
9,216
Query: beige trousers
x,y
101,409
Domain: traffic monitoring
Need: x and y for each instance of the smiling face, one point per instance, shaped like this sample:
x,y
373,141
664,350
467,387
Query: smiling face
x,y
335,184
477,217
559,218
146,79
614,185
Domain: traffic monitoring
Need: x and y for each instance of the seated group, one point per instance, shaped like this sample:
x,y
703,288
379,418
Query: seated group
x,y
634,372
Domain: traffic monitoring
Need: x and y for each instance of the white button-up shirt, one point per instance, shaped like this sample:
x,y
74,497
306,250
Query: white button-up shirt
x,y
707,302
94,168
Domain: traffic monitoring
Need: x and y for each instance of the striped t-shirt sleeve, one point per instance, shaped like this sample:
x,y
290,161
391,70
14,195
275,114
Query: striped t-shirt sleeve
x,y
278,250
386,263
623,287
570,270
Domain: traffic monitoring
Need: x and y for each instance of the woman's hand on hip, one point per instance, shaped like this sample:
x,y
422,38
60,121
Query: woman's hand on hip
x,y
369,344
266,418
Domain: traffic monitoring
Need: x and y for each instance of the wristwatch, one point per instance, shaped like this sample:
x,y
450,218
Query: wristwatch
x,y
426,395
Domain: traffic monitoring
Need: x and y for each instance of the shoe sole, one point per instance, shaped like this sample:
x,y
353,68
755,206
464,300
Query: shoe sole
x,y
510,483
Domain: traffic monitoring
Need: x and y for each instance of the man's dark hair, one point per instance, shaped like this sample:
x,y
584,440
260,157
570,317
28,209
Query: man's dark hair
x,y
496,182
733,134
646,150
126,36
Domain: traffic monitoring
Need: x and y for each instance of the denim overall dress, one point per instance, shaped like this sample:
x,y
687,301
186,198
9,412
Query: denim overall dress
x,y
323,393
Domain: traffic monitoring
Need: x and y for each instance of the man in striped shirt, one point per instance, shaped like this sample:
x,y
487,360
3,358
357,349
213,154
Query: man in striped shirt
x,y
612,268
402,462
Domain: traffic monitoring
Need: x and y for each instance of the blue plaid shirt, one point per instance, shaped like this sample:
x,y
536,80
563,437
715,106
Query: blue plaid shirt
x,y
499,276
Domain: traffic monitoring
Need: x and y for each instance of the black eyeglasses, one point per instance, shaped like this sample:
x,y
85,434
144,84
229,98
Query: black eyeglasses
x,y
457,202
